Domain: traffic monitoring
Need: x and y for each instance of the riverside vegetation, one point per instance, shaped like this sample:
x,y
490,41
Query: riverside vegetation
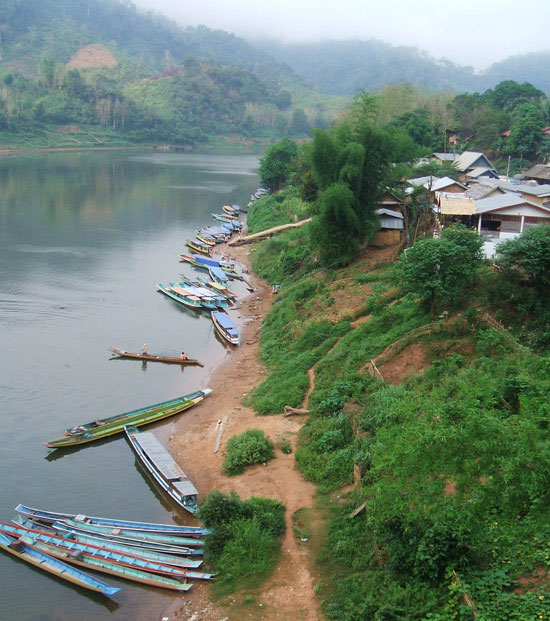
x,y
452,457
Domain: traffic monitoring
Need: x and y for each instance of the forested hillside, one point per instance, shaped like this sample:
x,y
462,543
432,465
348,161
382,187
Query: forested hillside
x,y
343,67
99,67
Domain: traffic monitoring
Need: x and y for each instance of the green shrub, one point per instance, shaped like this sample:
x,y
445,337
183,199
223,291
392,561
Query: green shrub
x,y
251,447
243,543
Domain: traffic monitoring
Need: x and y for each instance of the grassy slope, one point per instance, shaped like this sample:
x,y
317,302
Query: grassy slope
x,y
454,461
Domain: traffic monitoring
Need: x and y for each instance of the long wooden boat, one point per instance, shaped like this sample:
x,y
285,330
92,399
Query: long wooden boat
x,y
160,557
102,428
122,353
231,210
225,217
224,264
40,559
218,275
35,537
150,527
162,467
108,531
220,289
205,238
210,299
141,544
203,266
179,294
225,327
110,567
199,246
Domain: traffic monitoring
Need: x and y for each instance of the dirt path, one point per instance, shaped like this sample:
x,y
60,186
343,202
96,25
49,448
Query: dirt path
x,y
288,593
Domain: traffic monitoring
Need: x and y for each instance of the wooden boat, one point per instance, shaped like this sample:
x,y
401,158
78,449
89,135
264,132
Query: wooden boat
x,y
75,529
149,527
179,294
231,210
218,275
235,223
58,529
220,289
108,531
102,428
225,264
210,298
78,548
199,246
31,555
226,216
162,467
225,327
204,266
205,238
121,353
109,567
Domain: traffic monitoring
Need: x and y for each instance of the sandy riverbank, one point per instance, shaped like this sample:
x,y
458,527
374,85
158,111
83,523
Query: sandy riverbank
x,y
288,594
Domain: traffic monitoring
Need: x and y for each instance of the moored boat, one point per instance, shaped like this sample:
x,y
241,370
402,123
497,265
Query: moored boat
x,y
165,471
179,294
150,527
227,264
205,238
121,353
217,275
102,428
199,246
78,549
108,531
225,327
29,554
63,531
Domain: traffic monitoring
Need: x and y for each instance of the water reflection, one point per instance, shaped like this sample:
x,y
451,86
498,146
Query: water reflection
x,y
84,238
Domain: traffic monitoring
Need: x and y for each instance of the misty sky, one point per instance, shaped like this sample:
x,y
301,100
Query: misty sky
x,y
468,32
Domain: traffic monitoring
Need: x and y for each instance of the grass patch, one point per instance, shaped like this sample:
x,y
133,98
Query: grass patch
x,y
248,448
244,545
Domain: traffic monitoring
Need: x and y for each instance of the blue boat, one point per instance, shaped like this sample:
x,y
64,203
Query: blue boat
x,y
225,327
150,527
230,265
179,294
77,548
31,555
63,531
218,275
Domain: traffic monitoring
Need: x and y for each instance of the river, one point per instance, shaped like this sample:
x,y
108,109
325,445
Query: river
x,y
84,238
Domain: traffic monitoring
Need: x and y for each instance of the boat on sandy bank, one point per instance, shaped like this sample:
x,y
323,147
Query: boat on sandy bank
x,y
102,428
225,327
162,467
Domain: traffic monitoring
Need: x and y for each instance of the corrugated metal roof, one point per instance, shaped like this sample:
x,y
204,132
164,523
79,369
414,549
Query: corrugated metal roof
x,y
417,181
480,171
469,158
540,171
494,203
389,212
446,157
527,188
445,182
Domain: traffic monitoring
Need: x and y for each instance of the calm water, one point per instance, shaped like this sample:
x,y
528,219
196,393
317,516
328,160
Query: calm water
x,y
84,238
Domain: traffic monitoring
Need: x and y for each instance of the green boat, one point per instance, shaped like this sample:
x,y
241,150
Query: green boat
x,y
95,430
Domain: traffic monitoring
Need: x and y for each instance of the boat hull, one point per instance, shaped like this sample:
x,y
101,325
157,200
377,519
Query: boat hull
x,y
104,431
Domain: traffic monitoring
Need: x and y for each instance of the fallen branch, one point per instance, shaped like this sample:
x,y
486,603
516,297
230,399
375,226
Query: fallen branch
x,y
288,411
245,239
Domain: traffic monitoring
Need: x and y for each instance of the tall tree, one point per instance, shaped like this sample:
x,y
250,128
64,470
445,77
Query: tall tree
x,y
276,164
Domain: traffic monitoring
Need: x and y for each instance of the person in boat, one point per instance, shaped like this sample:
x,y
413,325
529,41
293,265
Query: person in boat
x,y
183,357
144,349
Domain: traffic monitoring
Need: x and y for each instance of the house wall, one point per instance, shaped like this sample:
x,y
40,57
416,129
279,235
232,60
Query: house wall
x,y
387,238
387,222
453,188
457,206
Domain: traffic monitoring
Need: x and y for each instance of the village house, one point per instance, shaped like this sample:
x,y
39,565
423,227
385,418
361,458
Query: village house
x,y
539,173
497,217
